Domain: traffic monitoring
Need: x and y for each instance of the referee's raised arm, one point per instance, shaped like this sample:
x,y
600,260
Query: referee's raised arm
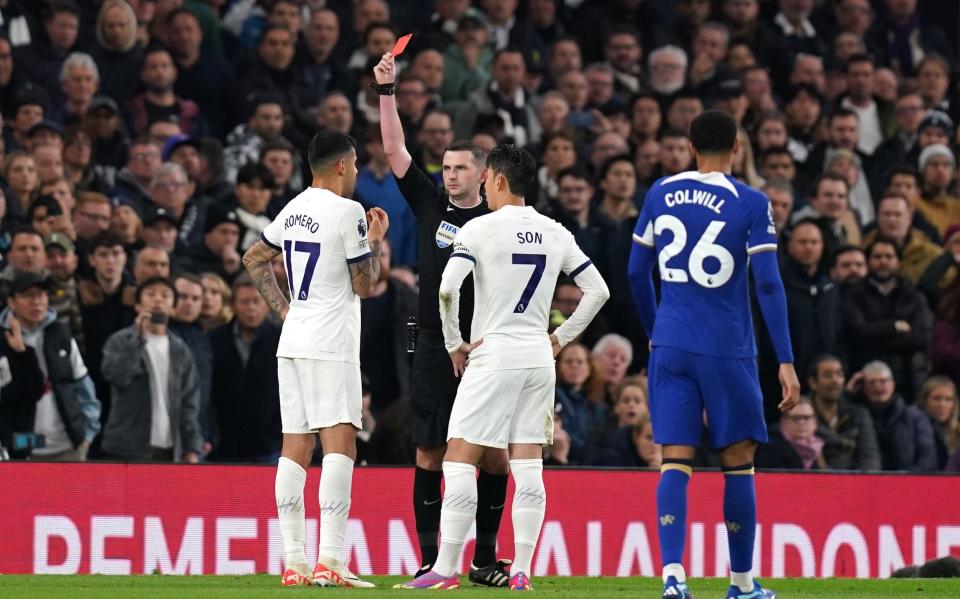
x,y
394,144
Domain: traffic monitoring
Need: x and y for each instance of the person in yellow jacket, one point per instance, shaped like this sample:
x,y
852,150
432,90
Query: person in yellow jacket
x,y
939,204
916,249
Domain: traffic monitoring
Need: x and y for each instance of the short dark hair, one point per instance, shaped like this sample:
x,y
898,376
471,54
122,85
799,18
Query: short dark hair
x,y
275,145
516,165
813,371
624,30
904,169
575,171
830,176
253,171
844,249
152,281
881,240
180,11
154,49
61,6
775,151
508,50
673,132
804,88
271,28
463,145
841,113
243,280
327,147
371,27
859,58
106,239
609,162
188,276
809,220
713,132
24,230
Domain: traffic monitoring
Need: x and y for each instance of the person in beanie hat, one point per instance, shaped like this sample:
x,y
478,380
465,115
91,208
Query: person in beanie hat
x,y
935,128
218,252
939,203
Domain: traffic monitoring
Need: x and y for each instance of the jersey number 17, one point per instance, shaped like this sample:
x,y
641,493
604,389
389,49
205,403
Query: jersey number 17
x,y
312,249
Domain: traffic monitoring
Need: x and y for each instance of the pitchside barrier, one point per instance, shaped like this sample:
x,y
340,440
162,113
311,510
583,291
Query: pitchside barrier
x,y
205,519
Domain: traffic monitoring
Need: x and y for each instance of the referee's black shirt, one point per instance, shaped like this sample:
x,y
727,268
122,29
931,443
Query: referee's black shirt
x,y
438,221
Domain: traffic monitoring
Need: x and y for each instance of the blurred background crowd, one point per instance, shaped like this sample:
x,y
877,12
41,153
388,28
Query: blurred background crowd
x,y
146,143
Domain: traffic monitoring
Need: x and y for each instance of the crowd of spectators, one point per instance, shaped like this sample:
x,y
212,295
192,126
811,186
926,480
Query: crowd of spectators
x,y
146,143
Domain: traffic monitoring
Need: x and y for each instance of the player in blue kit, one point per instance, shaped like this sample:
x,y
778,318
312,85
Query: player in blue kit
x,y
704,229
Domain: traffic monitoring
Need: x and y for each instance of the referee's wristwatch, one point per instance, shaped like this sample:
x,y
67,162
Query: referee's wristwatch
x,y
387,89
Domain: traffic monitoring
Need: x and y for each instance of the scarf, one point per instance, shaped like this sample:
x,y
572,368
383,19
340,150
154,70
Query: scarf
x,y
808,448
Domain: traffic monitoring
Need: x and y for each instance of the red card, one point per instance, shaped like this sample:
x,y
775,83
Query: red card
x,y
401,45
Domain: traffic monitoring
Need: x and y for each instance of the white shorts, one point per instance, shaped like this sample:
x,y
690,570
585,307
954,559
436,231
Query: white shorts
x,y
497,407
316,394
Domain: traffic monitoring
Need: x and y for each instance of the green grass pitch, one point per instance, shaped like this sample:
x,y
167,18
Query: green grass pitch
x,y
186,587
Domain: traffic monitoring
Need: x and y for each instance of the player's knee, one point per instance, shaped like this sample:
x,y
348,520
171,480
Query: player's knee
x,y
495,461
431,458
738,453
678,452
299,448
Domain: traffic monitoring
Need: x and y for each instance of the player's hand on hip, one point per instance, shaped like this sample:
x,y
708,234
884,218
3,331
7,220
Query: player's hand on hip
x,y
385,72
555,345
460,356
377,224
791,387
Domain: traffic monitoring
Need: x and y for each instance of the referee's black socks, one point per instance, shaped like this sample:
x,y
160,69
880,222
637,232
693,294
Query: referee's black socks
x,y
427,501
491,496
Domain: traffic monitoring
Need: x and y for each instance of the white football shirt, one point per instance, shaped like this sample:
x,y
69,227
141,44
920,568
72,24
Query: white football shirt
x,y
518,255
320,234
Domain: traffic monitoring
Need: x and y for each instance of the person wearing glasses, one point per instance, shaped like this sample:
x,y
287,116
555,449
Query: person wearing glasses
x,y
794,443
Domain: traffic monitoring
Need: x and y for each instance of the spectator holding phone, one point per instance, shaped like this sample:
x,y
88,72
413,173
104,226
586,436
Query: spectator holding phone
x,y
63,422
154,385
21,380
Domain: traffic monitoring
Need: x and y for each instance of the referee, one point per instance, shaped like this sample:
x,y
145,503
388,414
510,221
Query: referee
x,y
433,385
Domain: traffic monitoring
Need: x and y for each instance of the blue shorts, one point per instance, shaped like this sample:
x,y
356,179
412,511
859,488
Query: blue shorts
x,y
684,384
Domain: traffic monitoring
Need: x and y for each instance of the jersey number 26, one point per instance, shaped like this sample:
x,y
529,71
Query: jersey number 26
x,y
705,248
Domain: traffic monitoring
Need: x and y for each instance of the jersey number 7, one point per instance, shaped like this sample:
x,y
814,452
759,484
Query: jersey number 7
x,y
705,248
539,262
312,249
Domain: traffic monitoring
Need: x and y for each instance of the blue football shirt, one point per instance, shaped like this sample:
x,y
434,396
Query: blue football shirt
x,y
703,228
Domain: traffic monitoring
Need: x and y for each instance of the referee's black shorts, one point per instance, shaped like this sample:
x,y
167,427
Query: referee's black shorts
x,y
432,388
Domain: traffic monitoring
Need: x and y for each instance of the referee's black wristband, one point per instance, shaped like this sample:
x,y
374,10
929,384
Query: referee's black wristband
x,y
387,89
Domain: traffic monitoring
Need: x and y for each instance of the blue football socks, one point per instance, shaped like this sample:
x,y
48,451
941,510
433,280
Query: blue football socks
x,y
740,515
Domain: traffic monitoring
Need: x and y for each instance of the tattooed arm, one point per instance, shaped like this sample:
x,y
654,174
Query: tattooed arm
x,y
365,269
366,272
257,261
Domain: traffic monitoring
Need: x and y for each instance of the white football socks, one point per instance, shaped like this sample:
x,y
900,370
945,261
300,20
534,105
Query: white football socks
x,y
529,507
458,513
289,493
675,570
336,480
742,580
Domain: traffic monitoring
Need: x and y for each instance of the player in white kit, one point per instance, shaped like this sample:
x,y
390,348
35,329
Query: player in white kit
x,y
331,253
506,397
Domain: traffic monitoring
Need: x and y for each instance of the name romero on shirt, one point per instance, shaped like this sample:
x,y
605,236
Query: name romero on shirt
x,y
301,220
